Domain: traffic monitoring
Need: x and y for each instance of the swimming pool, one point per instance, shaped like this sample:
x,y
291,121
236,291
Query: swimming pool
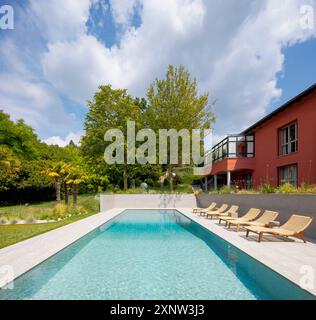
x,y
152,254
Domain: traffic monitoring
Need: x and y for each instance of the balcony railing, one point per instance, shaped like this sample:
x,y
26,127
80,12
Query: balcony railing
x,y
234,146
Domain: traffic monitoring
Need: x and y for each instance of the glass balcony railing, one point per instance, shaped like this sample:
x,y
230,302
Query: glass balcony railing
x,y
234,146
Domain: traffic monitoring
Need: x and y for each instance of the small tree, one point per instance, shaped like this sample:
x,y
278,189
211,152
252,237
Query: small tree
x,y
64,174
74,178
55,171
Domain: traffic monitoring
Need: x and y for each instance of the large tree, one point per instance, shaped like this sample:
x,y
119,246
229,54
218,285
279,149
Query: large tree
x,y
110,109
175,103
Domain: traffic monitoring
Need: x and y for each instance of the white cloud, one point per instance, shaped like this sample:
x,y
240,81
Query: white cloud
x,y
60,20
123,10
57,140
34,102
234,48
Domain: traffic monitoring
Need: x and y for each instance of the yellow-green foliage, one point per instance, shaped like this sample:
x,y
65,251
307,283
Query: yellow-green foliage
x,y
287,188
267,188
87,204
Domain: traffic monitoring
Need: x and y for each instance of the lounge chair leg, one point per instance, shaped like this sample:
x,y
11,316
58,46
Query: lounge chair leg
x,y
247,233
238,227
220,221
228,225
301,236
260,237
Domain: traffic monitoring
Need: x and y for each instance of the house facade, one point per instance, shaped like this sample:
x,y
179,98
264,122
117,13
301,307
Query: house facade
x,y
279,148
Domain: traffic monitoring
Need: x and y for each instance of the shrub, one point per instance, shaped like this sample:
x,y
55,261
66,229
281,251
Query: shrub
x,y
177,180
150,182
225,190
287,188
267,188
78,210
14,221
116,189
3,220
60,209
29,220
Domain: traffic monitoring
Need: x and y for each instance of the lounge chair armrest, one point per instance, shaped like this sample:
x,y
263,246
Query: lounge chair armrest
x,y
274,224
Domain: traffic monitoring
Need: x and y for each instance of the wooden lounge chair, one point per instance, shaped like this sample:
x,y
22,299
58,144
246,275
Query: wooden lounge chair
x,y
249,216
294,227
210,208
222,212
206,211
263,221
252,214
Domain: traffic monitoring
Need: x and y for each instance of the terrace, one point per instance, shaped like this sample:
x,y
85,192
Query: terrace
x,y
233,155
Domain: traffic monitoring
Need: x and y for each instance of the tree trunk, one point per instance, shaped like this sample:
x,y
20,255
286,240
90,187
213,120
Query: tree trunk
x,y
125,177
66,193
57,188
74,194
170,178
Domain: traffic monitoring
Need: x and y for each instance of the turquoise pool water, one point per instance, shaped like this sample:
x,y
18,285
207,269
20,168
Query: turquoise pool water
x,y
151,254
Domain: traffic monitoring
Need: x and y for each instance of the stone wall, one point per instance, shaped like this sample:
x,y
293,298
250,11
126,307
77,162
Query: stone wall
x,y
139,201
285,204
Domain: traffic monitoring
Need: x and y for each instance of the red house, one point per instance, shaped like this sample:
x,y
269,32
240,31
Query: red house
x,y
279,148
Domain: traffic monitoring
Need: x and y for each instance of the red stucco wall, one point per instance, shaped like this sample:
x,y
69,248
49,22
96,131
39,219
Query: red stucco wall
x,y
266,136
233,165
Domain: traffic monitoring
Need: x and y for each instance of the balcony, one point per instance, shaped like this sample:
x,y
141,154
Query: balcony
x,y
234,147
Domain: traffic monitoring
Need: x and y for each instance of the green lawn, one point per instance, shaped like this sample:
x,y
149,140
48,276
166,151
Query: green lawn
x,y
13,233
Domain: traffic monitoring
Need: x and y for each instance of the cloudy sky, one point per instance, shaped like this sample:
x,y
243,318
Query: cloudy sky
x,y
250,55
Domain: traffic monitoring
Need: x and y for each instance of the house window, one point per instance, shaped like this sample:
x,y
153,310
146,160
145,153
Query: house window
x,y
288,174
288,139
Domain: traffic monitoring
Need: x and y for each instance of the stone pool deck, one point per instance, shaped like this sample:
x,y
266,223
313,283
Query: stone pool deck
x,y
285,257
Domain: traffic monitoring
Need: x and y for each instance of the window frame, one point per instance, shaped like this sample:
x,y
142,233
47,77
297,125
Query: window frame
x,y
285,148
281,180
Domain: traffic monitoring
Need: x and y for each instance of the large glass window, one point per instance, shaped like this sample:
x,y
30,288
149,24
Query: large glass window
x,y
288,140
234,147
288,174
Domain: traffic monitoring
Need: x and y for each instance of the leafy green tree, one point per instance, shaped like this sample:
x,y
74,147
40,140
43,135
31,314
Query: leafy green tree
x,y
9,168
110,109
96,181
18,137
174,103
31,176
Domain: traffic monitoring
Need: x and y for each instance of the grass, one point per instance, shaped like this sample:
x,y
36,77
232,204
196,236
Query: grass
x,y
10,234
49,210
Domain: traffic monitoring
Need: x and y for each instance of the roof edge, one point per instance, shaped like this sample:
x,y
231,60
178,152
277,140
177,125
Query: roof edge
x,y
280,109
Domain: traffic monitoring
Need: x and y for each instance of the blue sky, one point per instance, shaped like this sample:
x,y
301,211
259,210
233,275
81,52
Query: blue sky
x,y
299,71
250,55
